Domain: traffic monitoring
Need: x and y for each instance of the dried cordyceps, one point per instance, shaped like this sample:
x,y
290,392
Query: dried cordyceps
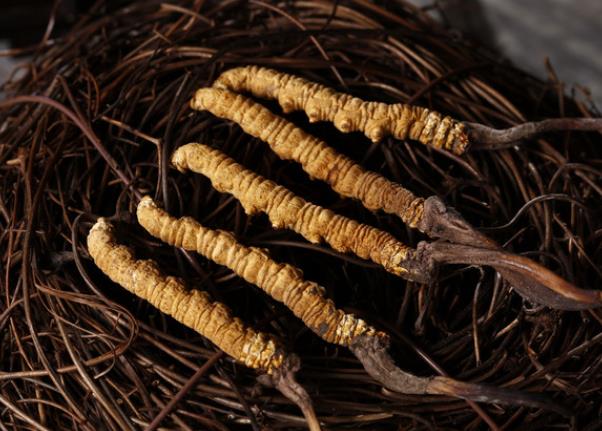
x,y
430,216
196,310
287,210
127,73
283,282
344,175
307,301
317,158
348,113
377,120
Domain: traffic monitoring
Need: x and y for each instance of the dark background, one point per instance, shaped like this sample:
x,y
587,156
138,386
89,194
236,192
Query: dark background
x,y
567,32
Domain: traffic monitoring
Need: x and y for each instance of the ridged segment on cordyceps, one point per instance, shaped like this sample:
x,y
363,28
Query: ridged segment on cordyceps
x,y
287,210
316,157
349,114
283,282
192,308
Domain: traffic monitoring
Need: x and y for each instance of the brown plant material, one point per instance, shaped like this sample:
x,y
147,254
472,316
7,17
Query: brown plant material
x,y
196,310
533,281
348,114
307,301
127,75
489,137
313,222
372,352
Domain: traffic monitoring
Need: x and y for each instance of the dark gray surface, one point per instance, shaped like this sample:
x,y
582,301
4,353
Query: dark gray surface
x,y
568,32
6,65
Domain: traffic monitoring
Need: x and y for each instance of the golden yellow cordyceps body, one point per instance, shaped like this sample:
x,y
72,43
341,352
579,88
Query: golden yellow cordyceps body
x,y
348,113
283,282
317,158
190,307
287,210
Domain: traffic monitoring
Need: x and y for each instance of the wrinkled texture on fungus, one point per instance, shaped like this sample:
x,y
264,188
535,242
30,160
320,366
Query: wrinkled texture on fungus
x,y
287,210
348,113
190,307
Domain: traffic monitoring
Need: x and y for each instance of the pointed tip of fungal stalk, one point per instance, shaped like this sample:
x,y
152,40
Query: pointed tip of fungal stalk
x,y
283,378
531,280
372,353
493,395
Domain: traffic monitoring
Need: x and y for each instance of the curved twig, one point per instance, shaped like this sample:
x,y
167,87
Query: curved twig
x,y
482,136
372,352
534,282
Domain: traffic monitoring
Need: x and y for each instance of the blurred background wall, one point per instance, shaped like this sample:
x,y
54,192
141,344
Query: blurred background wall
x,y
568,32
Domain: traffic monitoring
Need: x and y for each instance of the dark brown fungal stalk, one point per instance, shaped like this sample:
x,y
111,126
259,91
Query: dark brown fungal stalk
x,y
488,137
372,353
284,380
441,221
465,245
533,281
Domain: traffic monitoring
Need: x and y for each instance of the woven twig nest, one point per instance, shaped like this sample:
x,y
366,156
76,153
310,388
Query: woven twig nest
x,y
77,352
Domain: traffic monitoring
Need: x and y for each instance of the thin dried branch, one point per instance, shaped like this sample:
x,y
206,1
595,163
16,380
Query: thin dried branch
x,y
489,137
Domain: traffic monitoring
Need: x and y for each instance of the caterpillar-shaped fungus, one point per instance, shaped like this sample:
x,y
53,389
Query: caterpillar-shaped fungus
x,y
287,210
195,309
430,215
191,307
282,282
306,300
348,113
316,157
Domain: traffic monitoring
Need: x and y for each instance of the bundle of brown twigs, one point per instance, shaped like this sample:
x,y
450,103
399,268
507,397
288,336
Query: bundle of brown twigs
x,y
90,126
